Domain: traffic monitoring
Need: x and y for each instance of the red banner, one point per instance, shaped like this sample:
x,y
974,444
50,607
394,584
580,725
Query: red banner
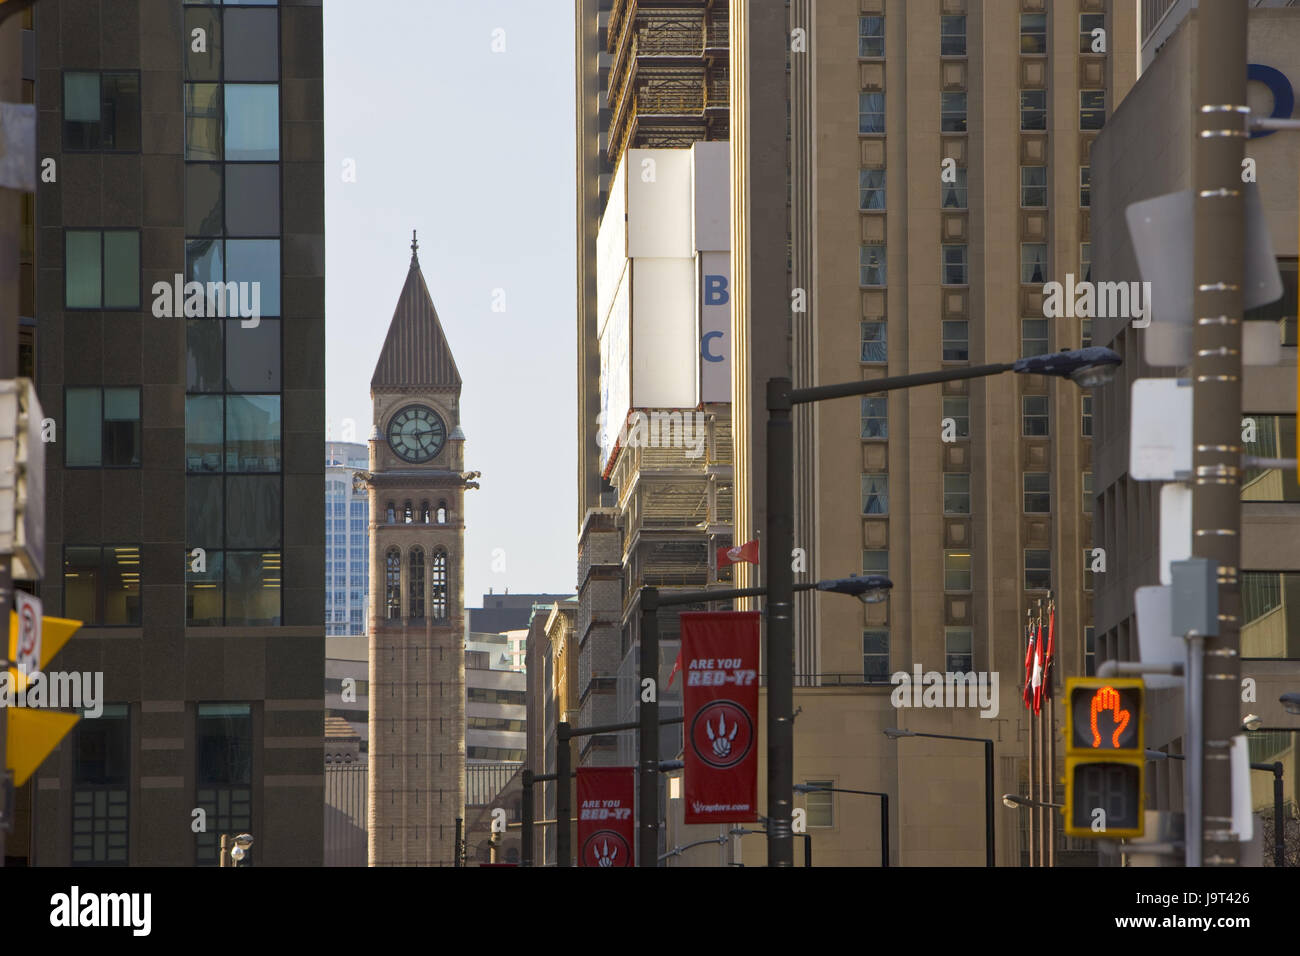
x,y
606,830
720,665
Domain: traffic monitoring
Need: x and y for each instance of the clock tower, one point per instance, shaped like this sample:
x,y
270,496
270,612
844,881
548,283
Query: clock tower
x,y
417,486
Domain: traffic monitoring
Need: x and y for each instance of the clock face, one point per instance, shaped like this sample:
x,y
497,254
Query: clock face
x,y
416,433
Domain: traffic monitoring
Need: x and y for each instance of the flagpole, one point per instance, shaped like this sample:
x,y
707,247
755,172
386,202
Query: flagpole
x,y
1051,740
1033,737
1044,774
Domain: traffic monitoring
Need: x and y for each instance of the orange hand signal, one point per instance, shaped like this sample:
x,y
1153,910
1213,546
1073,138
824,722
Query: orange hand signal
x,y
1107,698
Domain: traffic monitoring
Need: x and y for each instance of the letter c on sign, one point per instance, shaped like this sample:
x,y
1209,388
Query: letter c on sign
x,y
704,347
1279,86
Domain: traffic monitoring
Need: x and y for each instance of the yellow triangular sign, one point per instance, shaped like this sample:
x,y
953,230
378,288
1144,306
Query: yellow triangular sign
x,y
32,735
55,632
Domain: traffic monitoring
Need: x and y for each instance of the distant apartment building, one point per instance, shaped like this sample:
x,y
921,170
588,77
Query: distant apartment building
x,y
347,540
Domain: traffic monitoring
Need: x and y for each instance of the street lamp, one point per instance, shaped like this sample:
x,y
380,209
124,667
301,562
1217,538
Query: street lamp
x,y
990,855
1085,367
1014,801
884,811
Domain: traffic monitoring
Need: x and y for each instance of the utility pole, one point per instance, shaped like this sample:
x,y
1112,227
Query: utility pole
x,y
1221,123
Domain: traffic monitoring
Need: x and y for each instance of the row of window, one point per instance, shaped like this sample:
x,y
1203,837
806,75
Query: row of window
x,y
873,263
1034,415
959,653
437,596
952,34
1037,498
955,195
957,567
101,781
421,515
953,111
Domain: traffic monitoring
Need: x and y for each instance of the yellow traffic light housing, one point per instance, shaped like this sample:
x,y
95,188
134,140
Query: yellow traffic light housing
x,y
1105,757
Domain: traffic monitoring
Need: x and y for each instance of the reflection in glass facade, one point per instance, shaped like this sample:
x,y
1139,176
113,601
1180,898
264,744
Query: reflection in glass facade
x,y
1269,600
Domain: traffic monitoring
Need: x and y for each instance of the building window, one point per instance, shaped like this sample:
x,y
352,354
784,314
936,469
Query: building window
x,y
871,36
101,111
875,561
1274,437
1087,569
952,195
1037,493
956,494
871,112
232,433
952,36
1089,651
1087,493
438,589
415,580
442,512
1038,569
872,265
1092,109
1085,425
1033,186
101,585
408,514
1033,337
957,407
1085,186
956,340
954,265
1085,333
255,262
875,494
875,656
1033,33
875,416
425,514
391,513
956,570
871,188
252,128
224,740
1033,416
1085,261
1033,110
959,650
393,584
952,112
1033,263
820,804
102,428
1087,23
236,588
101,269
875,345
101,782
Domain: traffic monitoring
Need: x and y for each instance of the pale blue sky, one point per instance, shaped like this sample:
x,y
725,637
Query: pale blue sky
x,y
474,149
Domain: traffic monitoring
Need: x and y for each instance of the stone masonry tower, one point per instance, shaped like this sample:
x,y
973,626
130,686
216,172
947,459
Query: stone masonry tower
x,y
417,489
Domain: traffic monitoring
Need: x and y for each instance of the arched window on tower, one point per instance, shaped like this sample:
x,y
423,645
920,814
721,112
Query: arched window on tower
x,y
393,584
438,587
392,513
424,511
442,512
415,581
407,515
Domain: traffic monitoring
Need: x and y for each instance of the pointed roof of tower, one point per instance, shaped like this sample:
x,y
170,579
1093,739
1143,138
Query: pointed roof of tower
x,y
415,352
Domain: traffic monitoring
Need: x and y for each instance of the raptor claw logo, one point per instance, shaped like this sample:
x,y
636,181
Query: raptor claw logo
x,y
722,733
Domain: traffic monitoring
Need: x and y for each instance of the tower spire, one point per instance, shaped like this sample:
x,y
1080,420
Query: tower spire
x,y
414,246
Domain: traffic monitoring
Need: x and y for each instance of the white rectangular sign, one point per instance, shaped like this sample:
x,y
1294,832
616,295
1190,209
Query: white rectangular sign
x,y
27,657
1175,527
715,326
1156,641
1160,437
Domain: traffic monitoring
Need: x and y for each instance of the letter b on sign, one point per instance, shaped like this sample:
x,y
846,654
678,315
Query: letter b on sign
x,y
715,290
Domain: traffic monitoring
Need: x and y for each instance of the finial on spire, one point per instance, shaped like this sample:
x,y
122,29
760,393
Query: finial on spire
x,y
414,245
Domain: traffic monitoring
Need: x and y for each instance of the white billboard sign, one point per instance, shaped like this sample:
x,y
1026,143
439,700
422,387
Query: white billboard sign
x,y
715,326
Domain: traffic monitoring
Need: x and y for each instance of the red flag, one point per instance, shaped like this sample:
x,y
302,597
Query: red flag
x,y
1046,691
734,555
606,830
677,665
720,703
1028,696
1038,666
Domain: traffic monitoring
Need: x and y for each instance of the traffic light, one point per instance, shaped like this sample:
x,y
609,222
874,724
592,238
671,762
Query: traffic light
x,y
1105,759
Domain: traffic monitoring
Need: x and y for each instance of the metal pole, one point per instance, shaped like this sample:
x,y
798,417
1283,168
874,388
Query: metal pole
x,y
1193,705
990,853
1051,780
648,732
526,823
807,849
563,795
1279,823
221,859
884,830
460,842
1219,229
780,624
